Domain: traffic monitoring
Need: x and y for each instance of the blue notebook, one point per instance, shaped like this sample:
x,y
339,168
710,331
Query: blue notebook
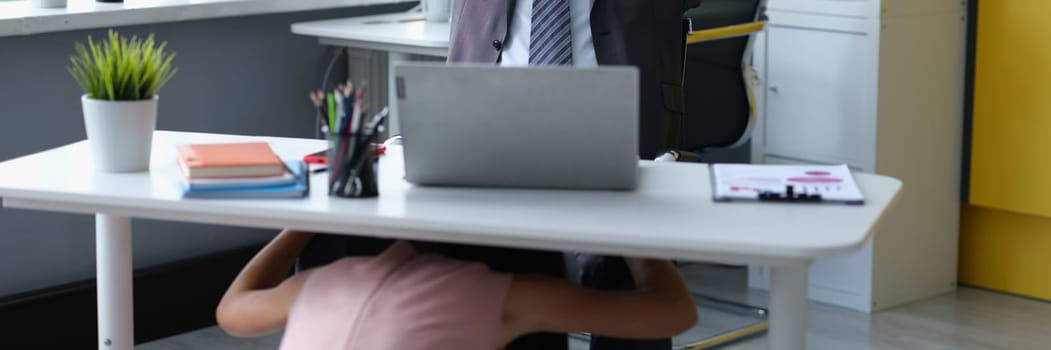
x,y
300,188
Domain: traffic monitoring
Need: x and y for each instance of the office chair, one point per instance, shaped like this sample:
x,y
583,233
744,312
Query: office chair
x,y
720,111
718,78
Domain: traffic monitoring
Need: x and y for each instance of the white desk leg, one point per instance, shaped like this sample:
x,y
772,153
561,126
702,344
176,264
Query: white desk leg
x,y
113,266
392,91
788,306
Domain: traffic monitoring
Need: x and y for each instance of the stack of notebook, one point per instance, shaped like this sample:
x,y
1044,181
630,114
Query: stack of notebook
x,y
239,170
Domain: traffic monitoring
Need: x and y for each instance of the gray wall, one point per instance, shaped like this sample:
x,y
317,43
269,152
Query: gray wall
x,y
245,75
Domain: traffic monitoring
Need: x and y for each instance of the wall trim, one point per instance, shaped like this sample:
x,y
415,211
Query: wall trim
x,y
1005,251
170,299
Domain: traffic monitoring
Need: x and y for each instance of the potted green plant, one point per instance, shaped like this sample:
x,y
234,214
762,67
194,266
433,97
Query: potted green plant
x,y
120,78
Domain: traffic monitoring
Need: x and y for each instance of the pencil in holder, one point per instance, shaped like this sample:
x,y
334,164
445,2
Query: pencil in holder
x,y
351,168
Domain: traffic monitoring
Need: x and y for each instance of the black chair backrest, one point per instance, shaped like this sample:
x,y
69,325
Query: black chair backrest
x,y
717,107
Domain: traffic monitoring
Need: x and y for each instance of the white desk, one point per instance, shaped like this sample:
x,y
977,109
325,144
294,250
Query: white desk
x,y
399,35
670,215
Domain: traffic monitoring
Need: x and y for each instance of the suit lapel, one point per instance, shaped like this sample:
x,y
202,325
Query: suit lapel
x,y
509,12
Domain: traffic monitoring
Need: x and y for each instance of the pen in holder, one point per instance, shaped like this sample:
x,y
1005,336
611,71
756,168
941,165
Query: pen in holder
x,y
351,168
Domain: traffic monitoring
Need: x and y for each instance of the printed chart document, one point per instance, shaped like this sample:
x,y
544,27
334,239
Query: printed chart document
x,y
787,183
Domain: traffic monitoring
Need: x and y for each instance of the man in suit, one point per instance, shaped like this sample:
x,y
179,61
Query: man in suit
x,y
647,34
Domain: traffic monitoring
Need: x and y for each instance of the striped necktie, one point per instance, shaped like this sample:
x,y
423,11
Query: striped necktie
x,y
551,42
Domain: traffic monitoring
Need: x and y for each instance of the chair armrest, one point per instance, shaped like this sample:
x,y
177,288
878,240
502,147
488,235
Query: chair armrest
x,y
678,156
725,32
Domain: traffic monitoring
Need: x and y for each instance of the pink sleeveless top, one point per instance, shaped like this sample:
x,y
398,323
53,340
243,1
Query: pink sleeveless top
x,y
398,300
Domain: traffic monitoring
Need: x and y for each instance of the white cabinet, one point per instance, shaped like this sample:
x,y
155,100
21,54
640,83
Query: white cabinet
x,y
877,85
814,82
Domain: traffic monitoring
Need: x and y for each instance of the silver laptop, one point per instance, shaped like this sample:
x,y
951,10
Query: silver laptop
x,y
530,127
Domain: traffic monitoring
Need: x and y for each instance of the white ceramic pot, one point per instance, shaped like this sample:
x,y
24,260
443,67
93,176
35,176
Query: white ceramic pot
x,y
47,3
120,133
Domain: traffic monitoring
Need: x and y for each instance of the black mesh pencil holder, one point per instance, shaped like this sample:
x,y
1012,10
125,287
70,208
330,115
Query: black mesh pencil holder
x,y
351,168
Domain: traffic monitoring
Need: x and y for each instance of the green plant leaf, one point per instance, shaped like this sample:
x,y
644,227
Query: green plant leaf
x,y
121,68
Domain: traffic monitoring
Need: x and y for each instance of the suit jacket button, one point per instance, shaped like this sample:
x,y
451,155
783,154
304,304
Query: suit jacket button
x,y
497,44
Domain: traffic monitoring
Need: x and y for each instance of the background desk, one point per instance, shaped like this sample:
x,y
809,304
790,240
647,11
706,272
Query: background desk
x,y
670,215
398,36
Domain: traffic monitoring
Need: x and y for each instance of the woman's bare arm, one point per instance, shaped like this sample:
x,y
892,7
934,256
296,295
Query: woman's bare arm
x,y
260,297
659,307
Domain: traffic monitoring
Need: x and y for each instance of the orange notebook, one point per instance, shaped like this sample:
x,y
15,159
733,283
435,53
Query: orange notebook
x,y
244,159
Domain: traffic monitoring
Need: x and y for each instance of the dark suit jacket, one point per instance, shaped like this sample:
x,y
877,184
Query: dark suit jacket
x,y
648,34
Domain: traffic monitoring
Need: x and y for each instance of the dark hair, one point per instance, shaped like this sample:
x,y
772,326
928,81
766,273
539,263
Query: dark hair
x,y
508,260
327,248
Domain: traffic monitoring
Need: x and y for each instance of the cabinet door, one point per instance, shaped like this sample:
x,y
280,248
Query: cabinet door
x,y
1010,144
819,99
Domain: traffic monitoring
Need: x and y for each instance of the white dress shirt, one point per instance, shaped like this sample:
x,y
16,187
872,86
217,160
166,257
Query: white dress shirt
x,y
516,48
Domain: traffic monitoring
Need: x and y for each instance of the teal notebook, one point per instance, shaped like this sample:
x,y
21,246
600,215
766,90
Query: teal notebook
x,y
298,189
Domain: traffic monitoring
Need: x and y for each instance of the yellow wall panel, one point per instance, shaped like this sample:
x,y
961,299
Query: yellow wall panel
x,y
1011,141
1006,251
